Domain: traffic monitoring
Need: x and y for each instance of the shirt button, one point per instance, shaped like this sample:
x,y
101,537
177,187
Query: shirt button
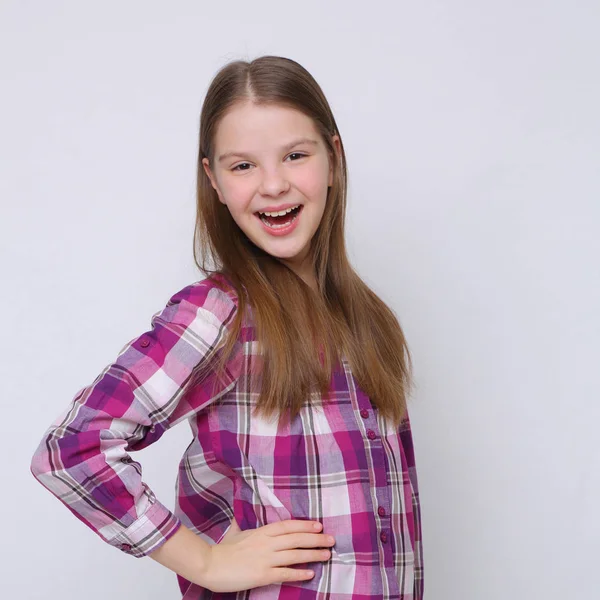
x,y
383,537
126,459
126,547
364,413
145,342
371,434
381,511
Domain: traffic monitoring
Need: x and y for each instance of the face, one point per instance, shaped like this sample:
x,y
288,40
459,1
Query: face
x,y
269,159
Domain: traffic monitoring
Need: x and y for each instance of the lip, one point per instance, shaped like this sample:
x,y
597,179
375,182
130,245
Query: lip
x,y
280,207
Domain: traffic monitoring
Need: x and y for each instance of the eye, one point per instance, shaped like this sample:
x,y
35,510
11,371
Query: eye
x,y
237,167
299,154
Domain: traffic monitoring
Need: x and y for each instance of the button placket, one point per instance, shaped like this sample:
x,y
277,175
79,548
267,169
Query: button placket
x,y
377,451
366,409
375,447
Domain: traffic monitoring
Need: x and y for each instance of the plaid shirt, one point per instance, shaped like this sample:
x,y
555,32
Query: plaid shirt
x,y
337,462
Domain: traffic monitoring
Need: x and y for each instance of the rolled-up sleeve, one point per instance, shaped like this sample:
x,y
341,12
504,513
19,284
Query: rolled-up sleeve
x,y
160,378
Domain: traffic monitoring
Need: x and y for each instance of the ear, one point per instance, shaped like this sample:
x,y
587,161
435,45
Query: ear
x,y
211,176
208,172
338,150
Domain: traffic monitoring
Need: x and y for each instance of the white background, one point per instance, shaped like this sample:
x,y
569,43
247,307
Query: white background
x,y
472,134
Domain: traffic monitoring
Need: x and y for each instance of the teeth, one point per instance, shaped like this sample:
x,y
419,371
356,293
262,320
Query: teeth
x,y
279,213
280,226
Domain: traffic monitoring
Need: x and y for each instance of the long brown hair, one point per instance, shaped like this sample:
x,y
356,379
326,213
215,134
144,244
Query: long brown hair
x,y
302,333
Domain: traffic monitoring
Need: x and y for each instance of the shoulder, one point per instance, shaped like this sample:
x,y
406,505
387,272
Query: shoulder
x,y
213,298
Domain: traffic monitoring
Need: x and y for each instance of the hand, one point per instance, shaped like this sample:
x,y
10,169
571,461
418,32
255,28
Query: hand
x,y
247,559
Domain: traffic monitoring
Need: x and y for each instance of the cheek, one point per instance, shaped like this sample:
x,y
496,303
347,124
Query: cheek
x,y
237,194
313,182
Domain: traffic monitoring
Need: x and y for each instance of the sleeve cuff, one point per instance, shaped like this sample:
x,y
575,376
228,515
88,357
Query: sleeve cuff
x,y
147,533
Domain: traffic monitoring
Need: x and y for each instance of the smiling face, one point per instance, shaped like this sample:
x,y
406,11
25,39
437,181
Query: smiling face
x,y
272,158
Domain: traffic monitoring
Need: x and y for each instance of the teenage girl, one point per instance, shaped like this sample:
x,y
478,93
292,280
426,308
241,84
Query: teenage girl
x,y
300,479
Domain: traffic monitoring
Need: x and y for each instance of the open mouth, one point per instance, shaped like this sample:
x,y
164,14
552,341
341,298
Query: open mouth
x,y
282,221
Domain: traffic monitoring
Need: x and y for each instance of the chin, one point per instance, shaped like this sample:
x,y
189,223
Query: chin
x,y
287,257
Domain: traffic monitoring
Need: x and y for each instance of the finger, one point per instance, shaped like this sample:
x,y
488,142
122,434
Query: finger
x,y
293,557
283,574
291,526
302,540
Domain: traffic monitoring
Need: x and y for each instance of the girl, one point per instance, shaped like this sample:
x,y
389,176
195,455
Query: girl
x,y
300,479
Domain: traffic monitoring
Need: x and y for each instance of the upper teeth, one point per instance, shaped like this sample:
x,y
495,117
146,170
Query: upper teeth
x,y
280,213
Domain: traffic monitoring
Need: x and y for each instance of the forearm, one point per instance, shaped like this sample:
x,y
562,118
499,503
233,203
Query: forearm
x,y
185,553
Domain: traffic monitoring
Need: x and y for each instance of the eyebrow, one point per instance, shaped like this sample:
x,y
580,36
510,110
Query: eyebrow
x,y
284,148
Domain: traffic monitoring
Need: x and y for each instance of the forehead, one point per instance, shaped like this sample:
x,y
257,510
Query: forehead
x,y
249,126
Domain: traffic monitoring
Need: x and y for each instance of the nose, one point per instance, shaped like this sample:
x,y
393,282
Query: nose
x,y
273,182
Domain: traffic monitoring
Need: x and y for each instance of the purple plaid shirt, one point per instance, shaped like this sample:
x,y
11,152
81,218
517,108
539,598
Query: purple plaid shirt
x,y
338,462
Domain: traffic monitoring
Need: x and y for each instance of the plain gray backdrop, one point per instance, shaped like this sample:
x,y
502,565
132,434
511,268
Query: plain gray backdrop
x,y
472,135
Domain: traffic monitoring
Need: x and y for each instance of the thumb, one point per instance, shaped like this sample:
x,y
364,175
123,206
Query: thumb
x,y
233,530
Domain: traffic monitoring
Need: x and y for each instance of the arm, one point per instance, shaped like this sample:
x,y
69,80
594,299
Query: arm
x,y
83,456
185,553
408,445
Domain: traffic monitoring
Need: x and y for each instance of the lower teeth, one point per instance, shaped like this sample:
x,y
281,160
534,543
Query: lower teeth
x,y
286,224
